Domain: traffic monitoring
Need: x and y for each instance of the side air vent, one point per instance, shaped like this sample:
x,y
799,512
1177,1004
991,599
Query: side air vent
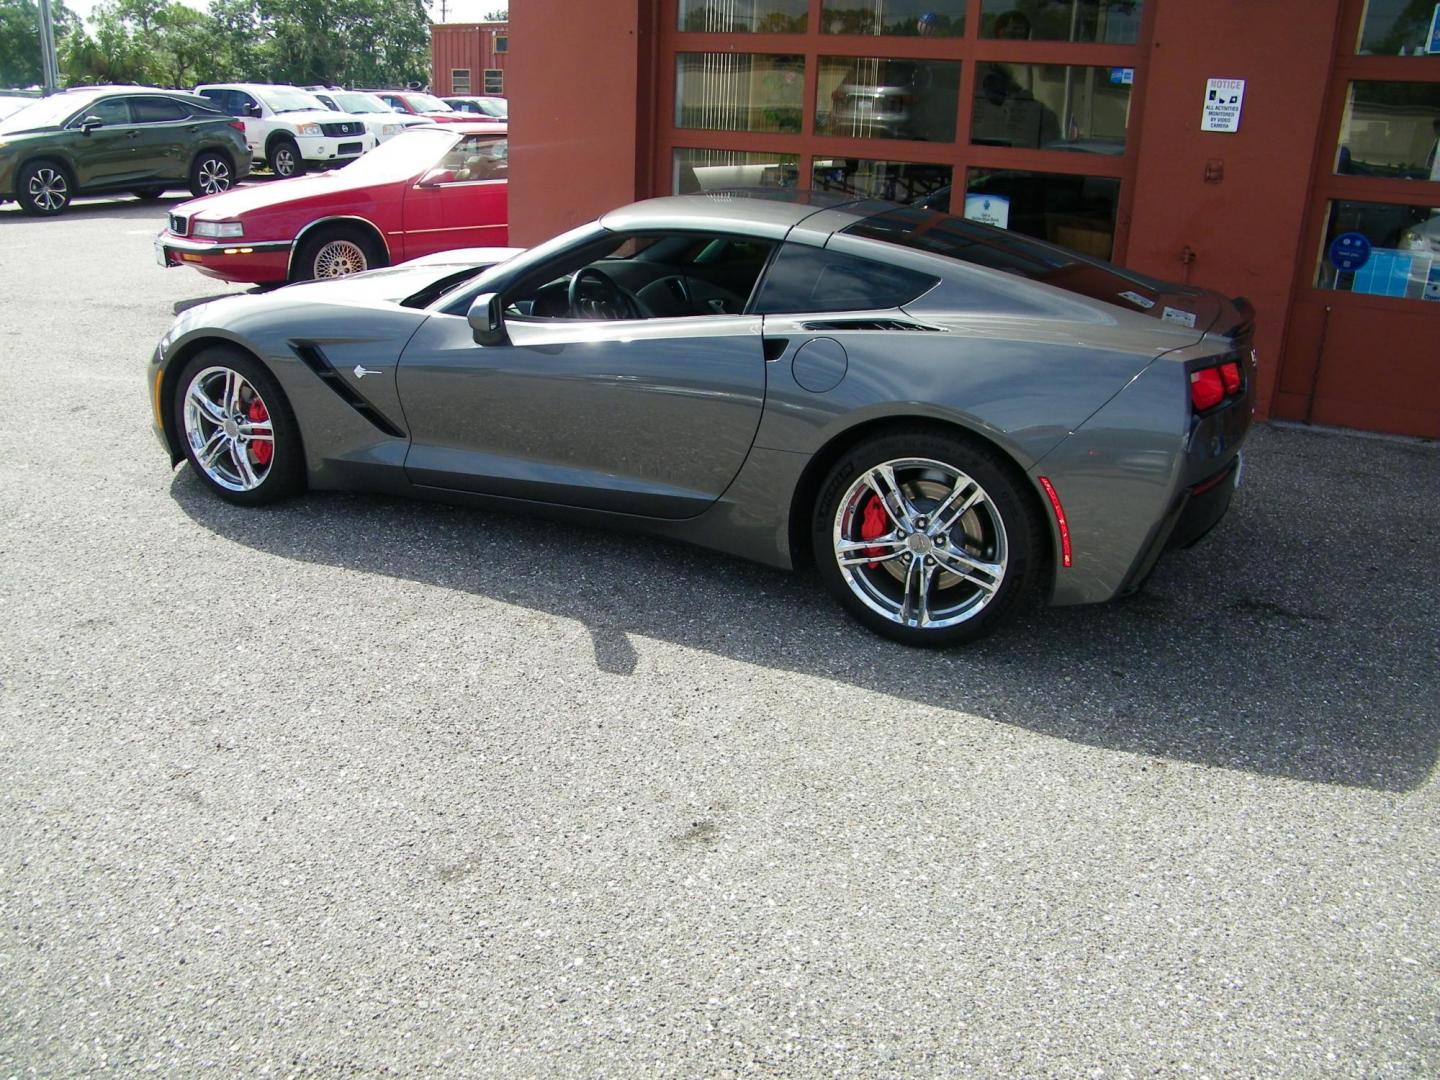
x,y
315,360
870,324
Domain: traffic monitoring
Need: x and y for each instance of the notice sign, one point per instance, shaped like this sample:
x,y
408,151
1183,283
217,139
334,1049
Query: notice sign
x,y
1223,98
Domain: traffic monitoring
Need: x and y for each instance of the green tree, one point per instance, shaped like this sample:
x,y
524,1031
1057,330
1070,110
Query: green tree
x,y
20,39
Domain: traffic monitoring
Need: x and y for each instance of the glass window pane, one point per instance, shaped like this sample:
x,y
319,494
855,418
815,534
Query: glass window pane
x,y
744,16
1398,28
1390,129
1114,22
712,170
1076,212
874,98
896,18
899,181
1052,107
739,91
804,278
1382,249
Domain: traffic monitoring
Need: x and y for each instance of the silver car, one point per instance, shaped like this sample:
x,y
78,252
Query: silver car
x,y
942,417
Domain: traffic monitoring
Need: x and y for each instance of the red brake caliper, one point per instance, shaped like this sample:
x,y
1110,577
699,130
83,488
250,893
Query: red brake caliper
x,y
263,451
874,522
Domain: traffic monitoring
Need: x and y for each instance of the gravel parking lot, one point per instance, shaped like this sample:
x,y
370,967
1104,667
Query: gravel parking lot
x,y
364,786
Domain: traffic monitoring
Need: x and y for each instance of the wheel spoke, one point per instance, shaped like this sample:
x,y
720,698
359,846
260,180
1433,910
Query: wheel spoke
x,y
209,454
233,385
984,575
859,552
915,611
881,480
962,499
243,469
261,432
209,409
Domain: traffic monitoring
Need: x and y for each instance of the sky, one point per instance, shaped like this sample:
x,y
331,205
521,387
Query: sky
x,y
456,10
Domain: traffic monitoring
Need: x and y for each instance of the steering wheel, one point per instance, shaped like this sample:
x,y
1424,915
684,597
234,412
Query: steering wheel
x,y
593,294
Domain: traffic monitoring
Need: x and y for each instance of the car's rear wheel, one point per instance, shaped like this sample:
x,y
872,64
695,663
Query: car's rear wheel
x,y
926,538
43,188
211,173
284,158
238,431
336,251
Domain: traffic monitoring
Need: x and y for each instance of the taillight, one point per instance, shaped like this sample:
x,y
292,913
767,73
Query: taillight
x,y
1207,389
238,125
1230,376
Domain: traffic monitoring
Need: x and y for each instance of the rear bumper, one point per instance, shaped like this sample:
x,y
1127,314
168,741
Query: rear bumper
x,y
239,261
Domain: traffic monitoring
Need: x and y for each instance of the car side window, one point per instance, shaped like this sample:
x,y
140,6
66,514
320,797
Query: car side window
x,y
476,157
156,110
804,279
113,112
643,276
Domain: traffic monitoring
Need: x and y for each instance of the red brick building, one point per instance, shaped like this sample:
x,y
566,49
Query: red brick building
x,y
1304,176
469,58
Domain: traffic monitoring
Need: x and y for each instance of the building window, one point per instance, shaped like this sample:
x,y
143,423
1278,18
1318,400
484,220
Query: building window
x,y
495,80
743,16
1390,129
894,18
1052,107
739,92
502,43
1381,249
875,98
713,170
1076,212
898,181
1390,28
1109,22
460,80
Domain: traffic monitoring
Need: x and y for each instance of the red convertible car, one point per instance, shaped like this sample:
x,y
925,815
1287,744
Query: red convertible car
x,y
428,189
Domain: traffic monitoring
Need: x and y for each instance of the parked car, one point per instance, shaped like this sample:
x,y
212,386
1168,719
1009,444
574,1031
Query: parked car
x,y
425,190
288,129
96,140
427,106
382,121
496,108
12,102
941,415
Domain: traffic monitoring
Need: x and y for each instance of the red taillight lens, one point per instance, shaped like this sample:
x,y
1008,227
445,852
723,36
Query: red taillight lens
x,y
1230,376
1206,389
238,125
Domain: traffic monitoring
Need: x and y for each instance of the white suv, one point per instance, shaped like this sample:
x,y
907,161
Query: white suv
x,y
289,129
382,120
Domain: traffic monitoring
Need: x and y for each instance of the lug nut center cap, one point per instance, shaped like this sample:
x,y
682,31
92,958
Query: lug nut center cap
x,y
919,543
231,429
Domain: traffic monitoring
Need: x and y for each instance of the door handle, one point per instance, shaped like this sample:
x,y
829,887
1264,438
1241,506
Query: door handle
x,y
132,135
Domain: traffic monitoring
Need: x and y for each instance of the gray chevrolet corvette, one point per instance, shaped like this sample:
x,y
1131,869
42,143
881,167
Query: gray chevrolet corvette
x,y
943,417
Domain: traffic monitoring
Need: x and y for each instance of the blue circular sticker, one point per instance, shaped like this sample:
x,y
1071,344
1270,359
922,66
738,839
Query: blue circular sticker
x,y
1349,251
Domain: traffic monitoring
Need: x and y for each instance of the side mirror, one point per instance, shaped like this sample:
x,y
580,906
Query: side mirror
x,y
487,322
90,123
251,109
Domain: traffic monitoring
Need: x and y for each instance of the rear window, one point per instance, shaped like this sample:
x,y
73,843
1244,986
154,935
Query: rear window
x,y
996,249
804,279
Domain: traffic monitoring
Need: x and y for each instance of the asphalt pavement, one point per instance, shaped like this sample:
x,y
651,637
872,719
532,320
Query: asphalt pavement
x,y
360,786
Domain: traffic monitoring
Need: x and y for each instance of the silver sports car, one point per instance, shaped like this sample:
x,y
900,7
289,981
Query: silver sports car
x,y
943,416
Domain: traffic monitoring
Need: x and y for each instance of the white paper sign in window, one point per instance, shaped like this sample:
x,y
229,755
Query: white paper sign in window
x,y
1223,99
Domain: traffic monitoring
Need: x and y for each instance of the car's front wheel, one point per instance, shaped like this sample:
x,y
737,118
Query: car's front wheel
x,y
926,538
238,431
336,251
284,158
43,188
210,174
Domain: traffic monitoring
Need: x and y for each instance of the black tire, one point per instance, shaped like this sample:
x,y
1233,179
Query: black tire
x,y
284,473
1003,530
283,157
44,188
211,173
149,194
330,248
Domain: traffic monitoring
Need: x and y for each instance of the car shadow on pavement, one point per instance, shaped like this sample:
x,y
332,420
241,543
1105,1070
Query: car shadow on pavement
x,y
118,206
1299,640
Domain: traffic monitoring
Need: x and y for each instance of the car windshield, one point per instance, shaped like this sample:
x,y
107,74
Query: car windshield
x,y
47,112
424,103
283,99
409,153
492,107
362,103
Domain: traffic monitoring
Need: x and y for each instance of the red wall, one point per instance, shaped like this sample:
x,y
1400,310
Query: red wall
x,y
465,45
1244,231
579,95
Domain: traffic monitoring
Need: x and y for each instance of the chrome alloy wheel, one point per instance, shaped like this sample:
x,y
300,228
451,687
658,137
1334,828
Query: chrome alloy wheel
x,y
229,430
213,176
337,258
48,189
920,543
